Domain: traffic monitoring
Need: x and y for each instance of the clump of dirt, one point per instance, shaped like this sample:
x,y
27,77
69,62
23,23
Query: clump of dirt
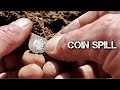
x,y
46,23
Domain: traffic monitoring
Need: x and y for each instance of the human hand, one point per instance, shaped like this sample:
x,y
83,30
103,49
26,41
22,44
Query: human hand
x,y
16,61
89,27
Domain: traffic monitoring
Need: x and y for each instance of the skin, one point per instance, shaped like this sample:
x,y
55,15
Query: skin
x,y
52,68
93,25
15,58
86,27
85,71
29,58
32,71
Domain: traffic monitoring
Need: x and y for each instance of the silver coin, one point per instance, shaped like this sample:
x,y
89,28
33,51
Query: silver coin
x,y
36,44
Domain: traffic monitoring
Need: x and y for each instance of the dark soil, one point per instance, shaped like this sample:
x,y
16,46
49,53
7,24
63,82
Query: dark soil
x,y
46,23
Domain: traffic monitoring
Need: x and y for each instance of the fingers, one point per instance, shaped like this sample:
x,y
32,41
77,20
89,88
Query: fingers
x,y
13,35
84,19
88,71
102,29
15,61
81,21
111,64
85,72
29,58
31,71
59,49
3,75
9,74
52,68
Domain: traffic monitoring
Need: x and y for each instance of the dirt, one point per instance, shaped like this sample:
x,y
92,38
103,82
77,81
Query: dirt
x,y
46,23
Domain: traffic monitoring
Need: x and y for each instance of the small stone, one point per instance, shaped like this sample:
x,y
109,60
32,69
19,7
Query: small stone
x,y
36,44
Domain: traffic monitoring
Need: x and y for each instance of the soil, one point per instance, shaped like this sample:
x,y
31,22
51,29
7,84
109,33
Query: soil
x,y
46,23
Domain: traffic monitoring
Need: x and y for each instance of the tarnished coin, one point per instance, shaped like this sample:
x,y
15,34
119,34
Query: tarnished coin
x,y
36,44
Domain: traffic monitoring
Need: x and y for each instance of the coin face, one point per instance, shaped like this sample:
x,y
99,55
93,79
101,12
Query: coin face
x,y
36,44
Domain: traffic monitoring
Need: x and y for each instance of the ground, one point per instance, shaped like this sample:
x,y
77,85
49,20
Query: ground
x,y
46,23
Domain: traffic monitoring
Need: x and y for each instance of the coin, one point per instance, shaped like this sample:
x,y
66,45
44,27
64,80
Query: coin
x,y
36,44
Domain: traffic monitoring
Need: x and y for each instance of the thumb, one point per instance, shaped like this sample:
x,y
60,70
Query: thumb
x,y
13,35
57,47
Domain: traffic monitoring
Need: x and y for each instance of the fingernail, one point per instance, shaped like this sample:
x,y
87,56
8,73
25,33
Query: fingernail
x,y
59,77
52,43
22,22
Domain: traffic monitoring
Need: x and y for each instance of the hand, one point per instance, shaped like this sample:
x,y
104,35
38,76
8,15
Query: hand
x,y
90,26
16,60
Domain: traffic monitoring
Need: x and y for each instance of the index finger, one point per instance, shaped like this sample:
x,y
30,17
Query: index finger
x,y
84,19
